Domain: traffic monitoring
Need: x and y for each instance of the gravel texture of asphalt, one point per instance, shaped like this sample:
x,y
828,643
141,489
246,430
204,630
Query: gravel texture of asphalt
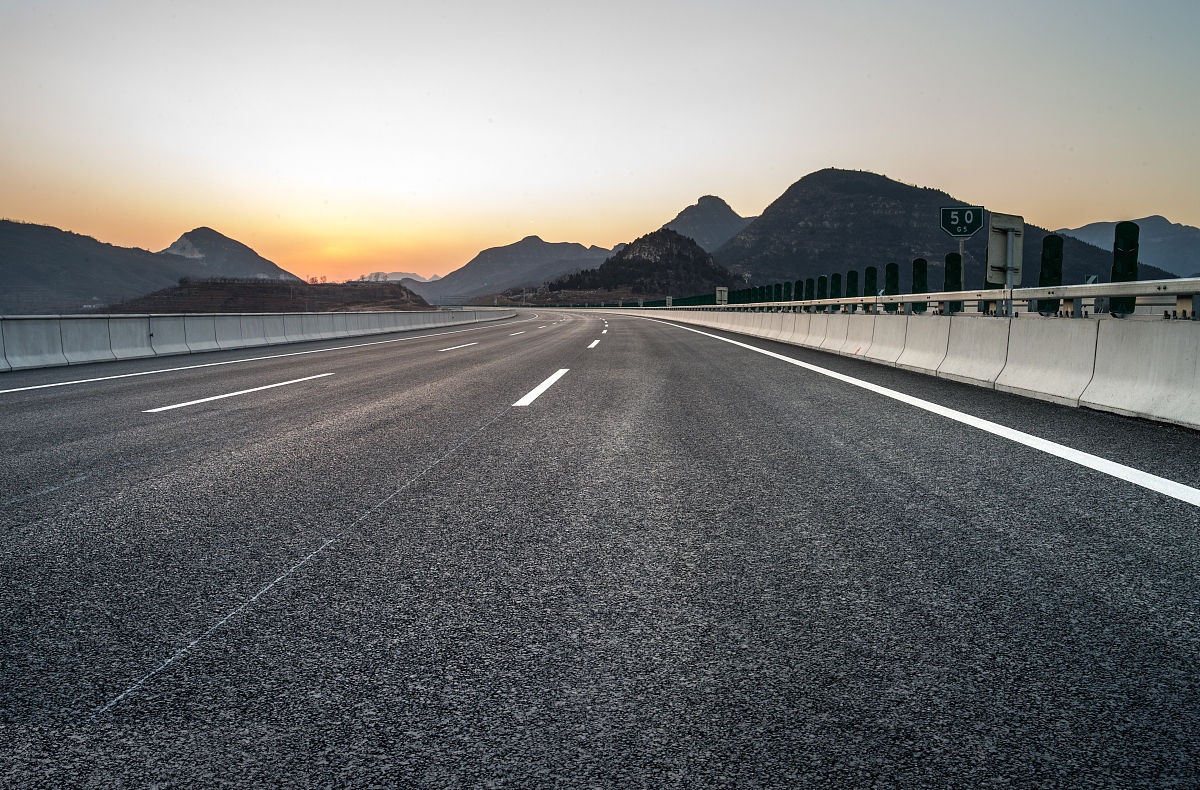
x,y
684,564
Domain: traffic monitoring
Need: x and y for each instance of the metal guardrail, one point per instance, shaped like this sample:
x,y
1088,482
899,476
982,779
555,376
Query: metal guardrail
x,y
1181,298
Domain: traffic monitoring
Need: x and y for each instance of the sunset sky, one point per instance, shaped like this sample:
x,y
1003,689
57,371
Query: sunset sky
x,y
343,138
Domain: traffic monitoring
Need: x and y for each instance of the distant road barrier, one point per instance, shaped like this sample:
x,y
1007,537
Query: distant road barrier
x,y
1147,365
48,341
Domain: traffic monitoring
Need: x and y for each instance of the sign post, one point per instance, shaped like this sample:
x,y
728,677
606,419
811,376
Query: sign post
x,y
1006,233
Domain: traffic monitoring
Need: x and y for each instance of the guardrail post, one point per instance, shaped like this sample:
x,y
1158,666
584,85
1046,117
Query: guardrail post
x,y
953,282
851,289
1124,266
920,284
891,284
810,292
835,289
871,285
1050,275
822,292
1187,306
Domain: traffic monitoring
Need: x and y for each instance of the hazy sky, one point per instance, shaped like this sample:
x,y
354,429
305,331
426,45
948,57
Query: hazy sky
x,y
350,137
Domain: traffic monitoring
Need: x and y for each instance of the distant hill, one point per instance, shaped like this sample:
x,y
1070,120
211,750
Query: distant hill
x,y
1168,245
527,263
659,264
710,222
837,220
221,256
273,296
47,270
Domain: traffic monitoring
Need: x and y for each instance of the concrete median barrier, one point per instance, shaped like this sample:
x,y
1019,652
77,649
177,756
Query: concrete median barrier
x,y
341,324
86,339
835,332
293,327
977,350
859,330
201,331
1147,369
887,338
926,339
129,336
1050,358
254,329
274,330
227,329
33,342
168,335
818,326
48,341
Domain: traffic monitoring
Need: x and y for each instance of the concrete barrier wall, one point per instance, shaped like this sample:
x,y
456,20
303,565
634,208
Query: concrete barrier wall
x,y
129,336
274,329
227,329
835,332
254,330
1049,358
926,338
1147,369
50,341
201,332
168,335
887,338
818,325
859,331
977,349
293,327
33,342
341,325
86,340
1139,368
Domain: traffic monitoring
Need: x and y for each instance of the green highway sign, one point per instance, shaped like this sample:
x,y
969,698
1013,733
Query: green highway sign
x,y
962,222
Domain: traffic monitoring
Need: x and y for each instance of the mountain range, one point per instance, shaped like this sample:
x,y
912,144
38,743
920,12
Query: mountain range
x,y
529,262
47,270
840,220
1168,245
829,221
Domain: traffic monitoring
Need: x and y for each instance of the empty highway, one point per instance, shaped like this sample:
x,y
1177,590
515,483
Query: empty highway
x,y
582,550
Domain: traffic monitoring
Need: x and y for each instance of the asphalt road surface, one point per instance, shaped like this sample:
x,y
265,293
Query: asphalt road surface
x,y
681,563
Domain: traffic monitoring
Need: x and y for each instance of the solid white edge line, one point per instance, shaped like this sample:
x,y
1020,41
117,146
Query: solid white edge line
x,y
455,348
594,344
232,394
1161,485
536,392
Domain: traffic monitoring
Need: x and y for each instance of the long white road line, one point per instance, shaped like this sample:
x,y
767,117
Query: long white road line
x,y
1161,485
233,394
